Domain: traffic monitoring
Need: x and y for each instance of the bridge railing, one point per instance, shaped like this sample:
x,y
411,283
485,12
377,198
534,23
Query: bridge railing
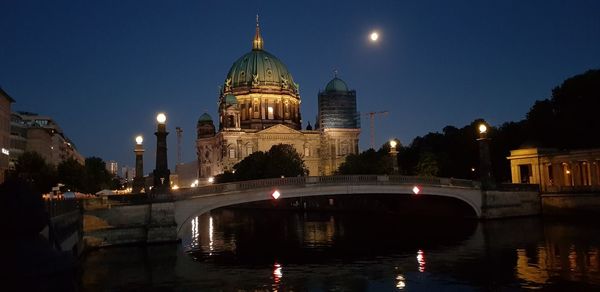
x,y
216,189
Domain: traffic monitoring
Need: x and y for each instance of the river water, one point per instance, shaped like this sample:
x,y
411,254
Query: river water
x,y
268,250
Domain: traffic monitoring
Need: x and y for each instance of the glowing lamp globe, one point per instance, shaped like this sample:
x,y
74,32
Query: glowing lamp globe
x,y
139,140
482,129
393,143
161,118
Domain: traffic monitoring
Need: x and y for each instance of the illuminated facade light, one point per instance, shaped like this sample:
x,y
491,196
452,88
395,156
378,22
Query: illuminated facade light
x,y
175,187
211,179
276,194
5,151
416,190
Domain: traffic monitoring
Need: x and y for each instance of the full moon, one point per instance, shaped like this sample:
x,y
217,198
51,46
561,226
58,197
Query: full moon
x,y
374,36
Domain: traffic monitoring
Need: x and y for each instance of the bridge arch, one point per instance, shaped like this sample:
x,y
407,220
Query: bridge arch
x,y
194,202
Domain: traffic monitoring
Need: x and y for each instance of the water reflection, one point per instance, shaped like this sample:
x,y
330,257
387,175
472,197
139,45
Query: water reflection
x,y
277,275
555,261
421,260
319,233
249,250
400,282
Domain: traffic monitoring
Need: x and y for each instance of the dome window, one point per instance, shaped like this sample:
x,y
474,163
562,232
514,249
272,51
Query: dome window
x,y
242,74
269,72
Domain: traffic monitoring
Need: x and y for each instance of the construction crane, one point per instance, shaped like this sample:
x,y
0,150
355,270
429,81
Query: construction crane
x,y
179,132
372,116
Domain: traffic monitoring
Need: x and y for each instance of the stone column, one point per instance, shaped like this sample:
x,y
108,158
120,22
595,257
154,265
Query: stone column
x,y
138,180
161,172
485,164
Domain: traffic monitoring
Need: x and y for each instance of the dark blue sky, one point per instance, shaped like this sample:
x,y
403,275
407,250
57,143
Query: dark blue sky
x,y
103,69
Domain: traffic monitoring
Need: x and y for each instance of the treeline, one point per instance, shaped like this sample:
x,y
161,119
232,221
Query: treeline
x,y
565,120
281,160
42,176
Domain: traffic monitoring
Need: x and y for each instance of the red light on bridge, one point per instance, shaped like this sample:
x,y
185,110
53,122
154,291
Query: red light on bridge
x,y
275,195
416,190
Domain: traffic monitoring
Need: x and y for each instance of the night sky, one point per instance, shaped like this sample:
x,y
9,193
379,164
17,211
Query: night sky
x,y
104,69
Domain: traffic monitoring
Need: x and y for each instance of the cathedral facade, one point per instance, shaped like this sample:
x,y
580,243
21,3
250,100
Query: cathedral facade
x,y
259,107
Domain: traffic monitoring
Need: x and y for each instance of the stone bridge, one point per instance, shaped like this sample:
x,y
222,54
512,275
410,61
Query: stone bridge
x,y
195,201
139,218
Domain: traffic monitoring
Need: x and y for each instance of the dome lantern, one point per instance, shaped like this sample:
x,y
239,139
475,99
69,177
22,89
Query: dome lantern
x,y
257,43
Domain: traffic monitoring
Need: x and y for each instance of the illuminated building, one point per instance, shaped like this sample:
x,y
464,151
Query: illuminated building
x,y
259,107
5,102
41,134
556,170
112,167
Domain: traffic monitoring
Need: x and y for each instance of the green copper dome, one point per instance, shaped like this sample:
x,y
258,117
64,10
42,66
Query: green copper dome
x,y
259,68
336,84
230,99
205,118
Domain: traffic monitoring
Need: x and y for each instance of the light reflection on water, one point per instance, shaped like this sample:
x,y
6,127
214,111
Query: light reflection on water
x,y
244,250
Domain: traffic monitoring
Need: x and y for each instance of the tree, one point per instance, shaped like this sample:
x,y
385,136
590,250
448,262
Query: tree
x,y
284,160
96,175
72,174
427,165
251,167
280,160
33,169
568,119
368,162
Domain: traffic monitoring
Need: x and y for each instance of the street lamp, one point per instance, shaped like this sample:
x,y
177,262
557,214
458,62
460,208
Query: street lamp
x,y
161,171
138,180
394,155
485,164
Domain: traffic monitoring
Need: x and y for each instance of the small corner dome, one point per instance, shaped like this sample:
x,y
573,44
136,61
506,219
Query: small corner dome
x,y
336,84
205,118
230,99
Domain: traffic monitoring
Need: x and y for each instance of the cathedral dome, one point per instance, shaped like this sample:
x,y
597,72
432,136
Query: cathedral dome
x,y
259,69
259,92
205,118
336,85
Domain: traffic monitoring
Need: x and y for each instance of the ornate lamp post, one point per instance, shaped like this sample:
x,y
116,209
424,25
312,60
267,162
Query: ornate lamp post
x,y
161,171
394,155
485,164
138,180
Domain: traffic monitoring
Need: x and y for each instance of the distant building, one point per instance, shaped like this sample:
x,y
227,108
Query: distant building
x,y
337,106
41,134
556,170
112,167
5,103
187,173
259,107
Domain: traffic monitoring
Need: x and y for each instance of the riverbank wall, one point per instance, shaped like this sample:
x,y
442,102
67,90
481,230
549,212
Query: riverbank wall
x,y
571,204
108,223
511,201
